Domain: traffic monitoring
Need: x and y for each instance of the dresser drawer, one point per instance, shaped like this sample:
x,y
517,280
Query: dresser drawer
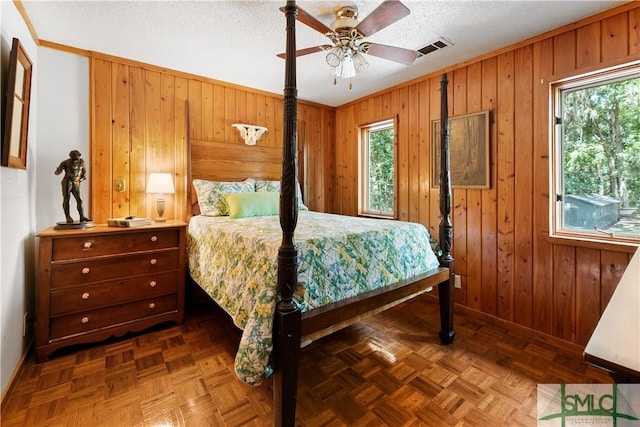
x,y
111,316
83,298
113,243
97,270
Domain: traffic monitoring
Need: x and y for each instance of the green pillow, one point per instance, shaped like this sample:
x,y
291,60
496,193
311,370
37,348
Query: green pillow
x,y
243,205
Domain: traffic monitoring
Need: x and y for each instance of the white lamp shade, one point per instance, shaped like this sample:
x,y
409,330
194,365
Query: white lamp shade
x,y
346,69
160,183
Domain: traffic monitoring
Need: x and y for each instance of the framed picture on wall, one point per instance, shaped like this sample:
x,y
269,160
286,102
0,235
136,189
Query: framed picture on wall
x,y
16,121
469,151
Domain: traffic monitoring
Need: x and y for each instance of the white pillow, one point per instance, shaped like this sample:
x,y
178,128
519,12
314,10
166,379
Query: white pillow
x,y
211,194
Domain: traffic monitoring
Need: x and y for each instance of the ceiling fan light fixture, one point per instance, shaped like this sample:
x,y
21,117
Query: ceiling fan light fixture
x,y
347,68
360,62
334,57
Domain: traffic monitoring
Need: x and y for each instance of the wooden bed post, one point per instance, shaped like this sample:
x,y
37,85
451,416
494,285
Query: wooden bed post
x,y
445,289
287,320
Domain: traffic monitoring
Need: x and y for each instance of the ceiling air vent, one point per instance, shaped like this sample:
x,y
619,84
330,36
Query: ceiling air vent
x,y
437,45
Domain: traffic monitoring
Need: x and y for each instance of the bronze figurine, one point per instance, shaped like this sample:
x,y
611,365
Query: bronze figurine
x,y
74,173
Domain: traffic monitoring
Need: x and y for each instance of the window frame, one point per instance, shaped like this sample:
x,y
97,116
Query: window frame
x,y
557,230
363,167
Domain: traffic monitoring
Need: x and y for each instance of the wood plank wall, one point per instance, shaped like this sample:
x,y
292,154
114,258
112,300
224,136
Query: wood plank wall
x,y
509,266
139,126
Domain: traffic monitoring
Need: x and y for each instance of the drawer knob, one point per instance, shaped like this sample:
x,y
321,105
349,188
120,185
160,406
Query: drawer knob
x,y
85,270
87,245
153,284
85,320
153,261
154,238
85,295
152,305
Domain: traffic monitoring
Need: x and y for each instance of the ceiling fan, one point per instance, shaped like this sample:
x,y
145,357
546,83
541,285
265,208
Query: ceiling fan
x,y
346,53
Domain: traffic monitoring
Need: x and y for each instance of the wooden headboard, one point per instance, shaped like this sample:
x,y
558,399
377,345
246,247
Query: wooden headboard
x,y
221,161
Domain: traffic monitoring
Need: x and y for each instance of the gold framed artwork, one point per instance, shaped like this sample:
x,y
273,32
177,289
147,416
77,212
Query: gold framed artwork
x,y
469,151
16,122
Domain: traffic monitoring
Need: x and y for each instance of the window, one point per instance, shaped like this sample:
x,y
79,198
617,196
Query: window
x,y
597,149
377,170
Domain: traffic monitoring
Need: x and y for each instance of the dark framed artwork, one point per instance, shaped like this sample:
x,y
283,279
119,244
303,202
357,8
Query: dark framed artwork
x,y
16,121
469,151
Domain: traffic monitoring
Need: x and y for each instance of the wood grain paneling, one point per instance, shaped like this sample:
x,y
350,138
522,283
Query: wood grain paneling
x,y
180,138
509,265
587,292
214,112
196,99
413,158
474,204
137,176
139,126
634,32
542,249
489,296
208,97
459,200
615,37
523,181
563,290
612,266
120,133
505,184
399,101
564,53
587,45
101,149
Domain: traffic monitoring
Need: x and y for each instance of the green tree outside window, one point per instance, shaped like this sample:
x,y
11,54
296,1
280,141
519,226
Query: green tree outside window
x,y
600,149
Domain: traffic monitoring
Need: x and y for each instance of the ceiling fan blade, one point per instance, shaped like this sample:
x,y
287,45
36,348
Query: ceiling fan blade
x,y
305,51
392,53
312,22
384,15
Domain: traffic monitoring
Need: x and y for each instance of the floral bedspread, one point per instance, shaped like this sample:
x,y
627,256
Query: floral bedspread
x,y
235,262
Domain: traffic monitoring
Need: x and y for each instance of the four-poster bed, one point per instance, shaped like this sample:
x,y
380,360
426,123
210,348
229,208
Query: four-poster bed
x,y
246,166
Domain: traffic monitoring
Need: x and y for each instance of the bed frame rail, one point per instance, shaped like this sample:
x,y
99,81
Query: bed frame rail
x,y
330,318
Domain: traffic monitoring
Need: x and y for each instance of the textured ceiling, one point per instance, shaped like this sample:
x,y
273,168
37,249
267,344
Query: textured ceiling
x,y
237,41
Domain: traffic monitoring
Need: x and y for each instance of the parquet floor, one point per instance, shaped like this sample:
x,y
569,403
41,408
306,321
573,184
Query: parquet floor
x,y
390,371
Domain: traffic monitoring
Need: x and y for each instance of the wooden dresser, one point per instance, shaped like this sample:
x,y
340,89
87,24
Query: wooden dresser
x,y
106,281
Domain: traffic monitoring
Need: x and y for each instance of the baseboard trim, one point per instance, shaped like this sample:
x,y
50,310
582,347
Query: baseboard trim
x,y
7,391
520,329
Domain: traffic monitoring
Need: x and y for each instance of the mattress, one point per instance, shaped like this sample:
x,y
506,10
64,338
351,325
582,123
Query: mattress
x,y
235,262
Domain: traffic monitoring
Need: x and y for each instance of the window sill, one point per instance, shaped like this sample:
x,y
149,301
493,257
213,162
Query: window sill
x,y
619,245
376,216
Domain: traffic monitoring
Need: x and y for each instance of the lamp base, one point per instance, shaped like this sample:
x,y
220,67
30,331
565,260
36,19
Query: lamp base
x,y
160,207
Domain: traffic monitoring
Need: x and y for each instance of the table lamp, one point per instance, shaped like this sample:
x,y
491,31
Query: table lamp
x,y
161,184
